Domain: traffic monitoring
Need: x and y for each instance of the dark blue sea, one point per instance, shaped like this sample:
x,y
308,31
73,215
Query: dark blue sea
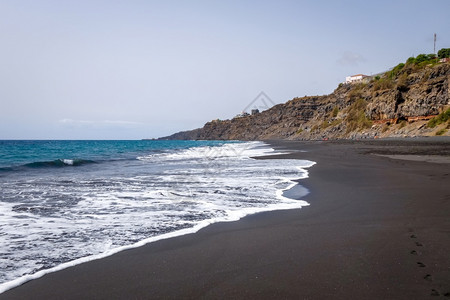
x,y
66,202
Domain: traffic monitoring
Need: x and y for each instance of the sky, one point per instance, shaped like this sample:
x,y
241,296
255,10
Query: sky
x,y
131,69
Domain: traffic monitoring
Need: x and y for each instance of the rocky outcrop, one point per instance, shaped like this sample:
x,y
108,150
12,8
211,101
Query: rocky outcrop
x,y
380,107
423,93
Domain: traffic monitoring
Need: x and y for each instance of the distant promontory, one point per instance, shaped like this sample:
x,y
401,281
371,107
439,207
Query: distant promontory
x,y
411,99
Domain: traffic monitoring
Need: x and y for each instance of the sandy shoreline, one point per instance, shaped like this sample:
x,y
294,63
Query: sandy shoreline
x,y
377,228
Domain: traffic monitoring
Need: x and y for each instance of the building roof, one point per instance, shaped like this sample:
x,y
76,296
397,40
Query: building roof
x,y
359,75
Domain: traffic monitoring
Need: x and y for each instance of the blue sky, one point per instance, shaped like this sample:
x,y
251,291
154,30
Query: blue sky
x,y
143,69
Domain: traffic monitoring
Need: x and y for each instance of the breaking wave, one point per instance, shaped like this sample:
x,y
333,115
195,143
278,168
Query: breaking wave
x,y
59,163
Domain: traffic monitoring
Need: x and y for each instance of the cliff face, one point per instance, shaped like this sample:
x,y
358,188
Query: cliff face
x,y
381,107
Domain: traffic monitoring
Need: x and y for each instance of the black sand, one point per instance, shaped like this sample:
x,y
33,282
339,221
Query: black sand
x,y
377,228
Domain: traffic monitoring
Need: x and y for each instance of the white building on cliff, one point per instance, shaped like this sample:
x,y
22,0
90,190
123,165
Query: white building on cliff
x,y
355,78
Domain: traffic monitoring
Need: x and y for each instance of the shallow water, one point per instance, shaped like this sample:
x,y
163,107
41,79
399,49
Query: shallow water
x,y
64,200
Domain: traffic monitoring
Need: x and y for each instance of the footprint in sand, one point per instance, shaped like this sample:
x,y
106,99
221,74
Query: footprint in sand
x,y
427,277
434,293
422,265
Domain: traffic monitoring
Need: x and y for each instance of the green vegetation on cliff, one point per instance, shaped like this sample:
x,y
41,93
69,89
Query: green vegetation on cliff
x,y
413,64
444,52
440,119
356,117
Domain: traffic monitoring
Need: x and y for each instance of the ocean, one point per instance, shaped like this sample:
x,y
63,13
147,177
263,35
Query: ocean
x,y
67,202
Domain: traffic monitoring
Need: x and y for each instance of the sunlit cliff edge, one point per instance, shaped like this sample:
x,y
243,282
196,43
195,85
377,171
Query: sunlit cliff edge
x,y
412,99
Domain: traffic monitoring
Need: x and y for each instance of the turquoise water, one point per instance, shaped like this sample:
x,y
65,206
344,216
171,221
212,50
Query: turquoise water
x,y
33,153
66,201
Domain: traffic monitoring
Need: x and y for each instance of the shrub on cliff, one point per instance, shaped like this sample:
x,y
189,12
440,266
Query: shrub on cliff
x,y
421,59
424,58
356,91
441,132
402,82
414,64
356,117
383,84
396,70
335,112
439,119
444,52
410,60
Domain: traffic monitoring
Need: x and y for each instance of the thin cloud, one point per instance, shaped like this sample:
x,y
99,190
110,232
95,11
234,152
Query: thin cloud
x,y
99,124
350,59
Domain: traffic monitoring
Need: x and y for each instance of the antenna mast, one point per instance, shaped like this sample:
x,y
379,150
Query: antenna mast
x,y
434,44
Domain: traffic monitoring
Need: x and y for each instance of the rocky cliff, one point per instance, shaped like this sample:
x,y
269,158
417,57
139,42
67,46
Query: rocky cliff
x,y
398,103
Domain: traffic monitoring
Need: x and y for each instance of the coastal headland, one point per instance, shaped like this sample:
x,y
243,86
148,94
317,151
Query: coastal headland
x,y
377,228
412,99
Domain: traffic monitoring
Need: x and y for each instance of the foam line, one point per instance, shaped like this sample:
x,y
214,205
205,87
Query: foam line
x,y
231,214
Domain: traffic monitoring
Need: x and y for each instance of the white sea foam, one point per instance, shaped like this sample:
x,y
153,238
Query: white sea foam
x,y
237,150
68,162
67,220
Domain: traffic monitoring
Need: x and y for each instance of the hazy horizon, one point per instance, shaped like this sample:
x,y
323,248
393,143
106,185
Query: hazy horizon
x,y
146,69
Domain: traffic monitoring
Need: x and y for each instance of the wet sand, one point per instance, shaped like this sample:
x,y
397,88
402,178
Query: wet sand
x,y
377,228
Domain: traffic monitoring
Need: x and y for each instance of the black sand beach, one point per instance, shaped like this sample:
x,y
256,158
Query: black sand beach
x,y
378,227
